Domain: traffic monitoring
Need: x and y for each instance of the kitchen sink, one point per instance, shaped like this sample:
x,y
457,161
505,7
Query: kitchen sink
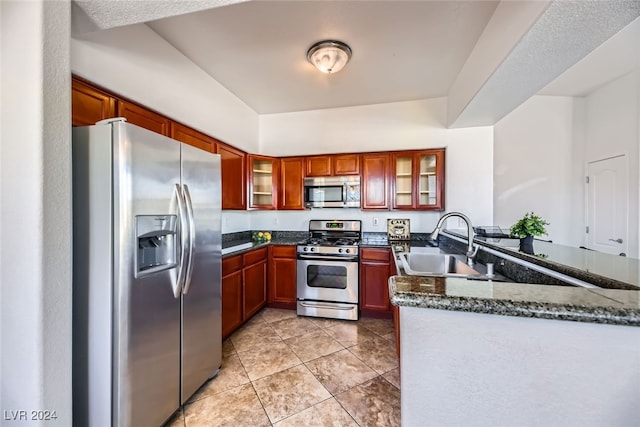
x,y
435,264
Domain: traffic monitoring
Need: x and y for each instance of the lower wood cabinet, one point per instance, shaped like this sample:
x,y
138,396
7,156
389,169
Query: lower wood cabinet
x,y
396,327
254,278
395,309
244,288
375,270
282,276
231,294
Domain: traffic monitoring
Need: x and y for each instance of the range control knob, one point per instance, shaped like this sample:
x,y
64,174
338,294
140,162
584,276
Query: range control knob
x,y
312,249
305,249
347,250
340,250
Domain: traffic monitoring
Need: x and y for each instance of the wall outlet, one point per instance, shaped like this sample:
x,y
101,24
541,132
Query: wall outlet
x,y
275,221
375,221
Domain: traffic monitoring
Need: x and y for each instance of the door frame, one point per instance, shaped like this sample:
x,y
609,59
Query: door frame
x,y
590,234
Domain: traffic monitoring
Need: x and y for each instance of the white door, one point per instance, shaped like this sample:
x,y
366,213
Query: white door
x,y
607,205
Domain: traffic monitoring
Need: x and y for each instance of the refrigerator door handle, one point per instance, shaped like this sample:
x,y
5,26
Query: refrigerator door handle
x,y
192,238
184,240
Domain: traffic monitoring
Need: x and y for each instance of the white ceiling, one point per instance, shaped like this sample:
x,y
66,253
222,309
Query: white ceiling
x,y
614,58
402,50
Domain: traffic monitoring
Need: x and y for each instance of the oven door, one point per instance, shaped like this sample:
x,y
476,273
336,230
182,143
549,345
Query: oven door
x,y
327,278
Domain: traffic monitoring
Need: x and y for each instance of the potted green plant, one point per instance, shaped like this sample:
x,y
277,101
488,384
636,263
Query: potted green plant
x,y
528,227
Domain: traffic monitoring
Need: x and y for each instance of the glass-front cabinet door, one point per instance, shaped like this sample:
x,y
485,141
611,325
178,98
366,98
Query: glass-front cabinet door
x,y
263,172
403,196
427,180
419,180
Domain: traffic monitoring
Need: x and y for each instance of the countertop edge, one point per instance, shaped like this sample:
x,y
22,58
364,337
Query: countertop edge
x,y
256,245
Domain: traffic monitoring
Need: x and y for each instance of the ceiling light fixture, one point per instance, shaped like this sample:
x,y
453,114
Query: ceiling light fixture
x,y
329,56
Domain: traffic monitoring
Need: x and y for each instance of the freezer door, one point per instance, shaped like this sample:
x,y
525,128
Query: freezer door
x,y
146,311
201,301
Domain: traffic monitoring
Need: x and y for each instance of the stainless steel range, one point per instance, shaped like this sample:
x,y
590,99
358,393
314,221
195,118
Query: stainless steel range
x,y
328,279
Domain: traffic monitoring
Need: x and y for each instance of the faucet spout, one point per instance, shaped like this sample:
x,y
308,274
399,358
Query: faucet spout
x,y
471,250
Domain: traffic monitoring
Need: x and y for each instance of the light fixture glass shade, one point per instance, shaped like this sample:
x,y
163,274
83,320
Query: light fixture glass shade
x,y
329,56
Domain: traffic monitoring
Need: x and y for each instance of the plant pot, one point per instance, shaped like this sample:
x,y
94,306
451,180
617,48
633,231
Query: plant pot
x,y
526,245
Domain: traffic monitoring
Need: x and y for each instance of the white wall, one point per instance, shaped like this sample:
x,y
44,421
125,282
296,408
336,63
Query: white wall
x,y
534,168
393,126
612,123
234,221
153,73
470,369
35,219
542,149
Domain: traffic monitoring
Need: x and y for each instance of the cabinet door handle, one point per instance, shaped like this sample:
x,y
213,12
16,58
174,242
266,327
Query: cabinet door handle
x,y
618,240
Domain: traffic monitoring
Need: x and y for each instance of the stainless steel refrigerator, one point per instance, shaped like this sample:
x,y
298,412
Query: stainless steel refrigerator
x,y
146,274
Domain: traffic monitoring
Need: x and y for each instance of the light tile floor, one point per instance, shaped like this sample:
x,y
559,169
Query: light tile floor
x,y
283,370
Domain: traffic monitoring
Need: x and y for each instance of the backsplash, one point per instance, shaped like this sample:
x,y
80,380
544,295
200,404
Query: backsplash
x,y
245,236
281,220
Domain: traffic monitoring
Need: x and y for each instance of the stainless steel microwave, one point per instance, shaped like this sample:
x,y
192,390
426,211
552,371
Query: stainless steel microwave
x,y
332,192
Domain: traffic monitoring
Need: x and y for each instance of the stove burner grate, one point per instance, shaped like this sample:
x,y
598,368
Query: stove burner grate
x,y
330,242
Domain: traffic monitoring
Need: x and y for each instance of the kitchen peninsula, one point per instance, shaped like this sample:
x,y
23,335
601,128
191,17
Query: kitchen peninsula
x,y
483,352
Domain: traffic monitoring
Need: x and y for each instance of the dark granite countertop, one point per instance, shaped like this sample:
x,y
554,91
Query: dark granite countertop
x,y
374,244
237,243
600,269
611,306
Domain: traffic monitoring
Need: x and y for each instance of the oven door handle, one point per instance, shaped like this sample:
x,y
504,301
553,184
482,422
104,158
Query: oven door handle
x,y
329,306
330,258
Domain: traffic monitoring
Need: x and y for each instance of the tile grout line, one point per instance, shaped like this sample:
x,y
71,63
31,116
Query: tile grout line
x,y
261,319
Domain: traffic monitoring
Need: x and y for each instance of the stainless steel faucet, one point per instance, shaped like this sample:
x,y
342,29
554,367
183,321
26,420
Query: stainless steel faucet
x,y
471,250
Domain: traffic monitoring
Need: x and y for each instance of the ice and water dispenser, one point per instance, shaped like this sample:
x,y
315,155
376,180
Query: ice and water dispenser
x,y
157,240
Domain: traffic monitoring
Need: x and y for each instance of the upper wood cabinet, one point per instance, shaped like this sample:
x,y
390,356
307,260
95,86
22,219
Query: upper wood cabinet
x,y
233,177
263,186
418,179
333,165
291,195
90,105
375,181
319,166
193,137
143,117
346,164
